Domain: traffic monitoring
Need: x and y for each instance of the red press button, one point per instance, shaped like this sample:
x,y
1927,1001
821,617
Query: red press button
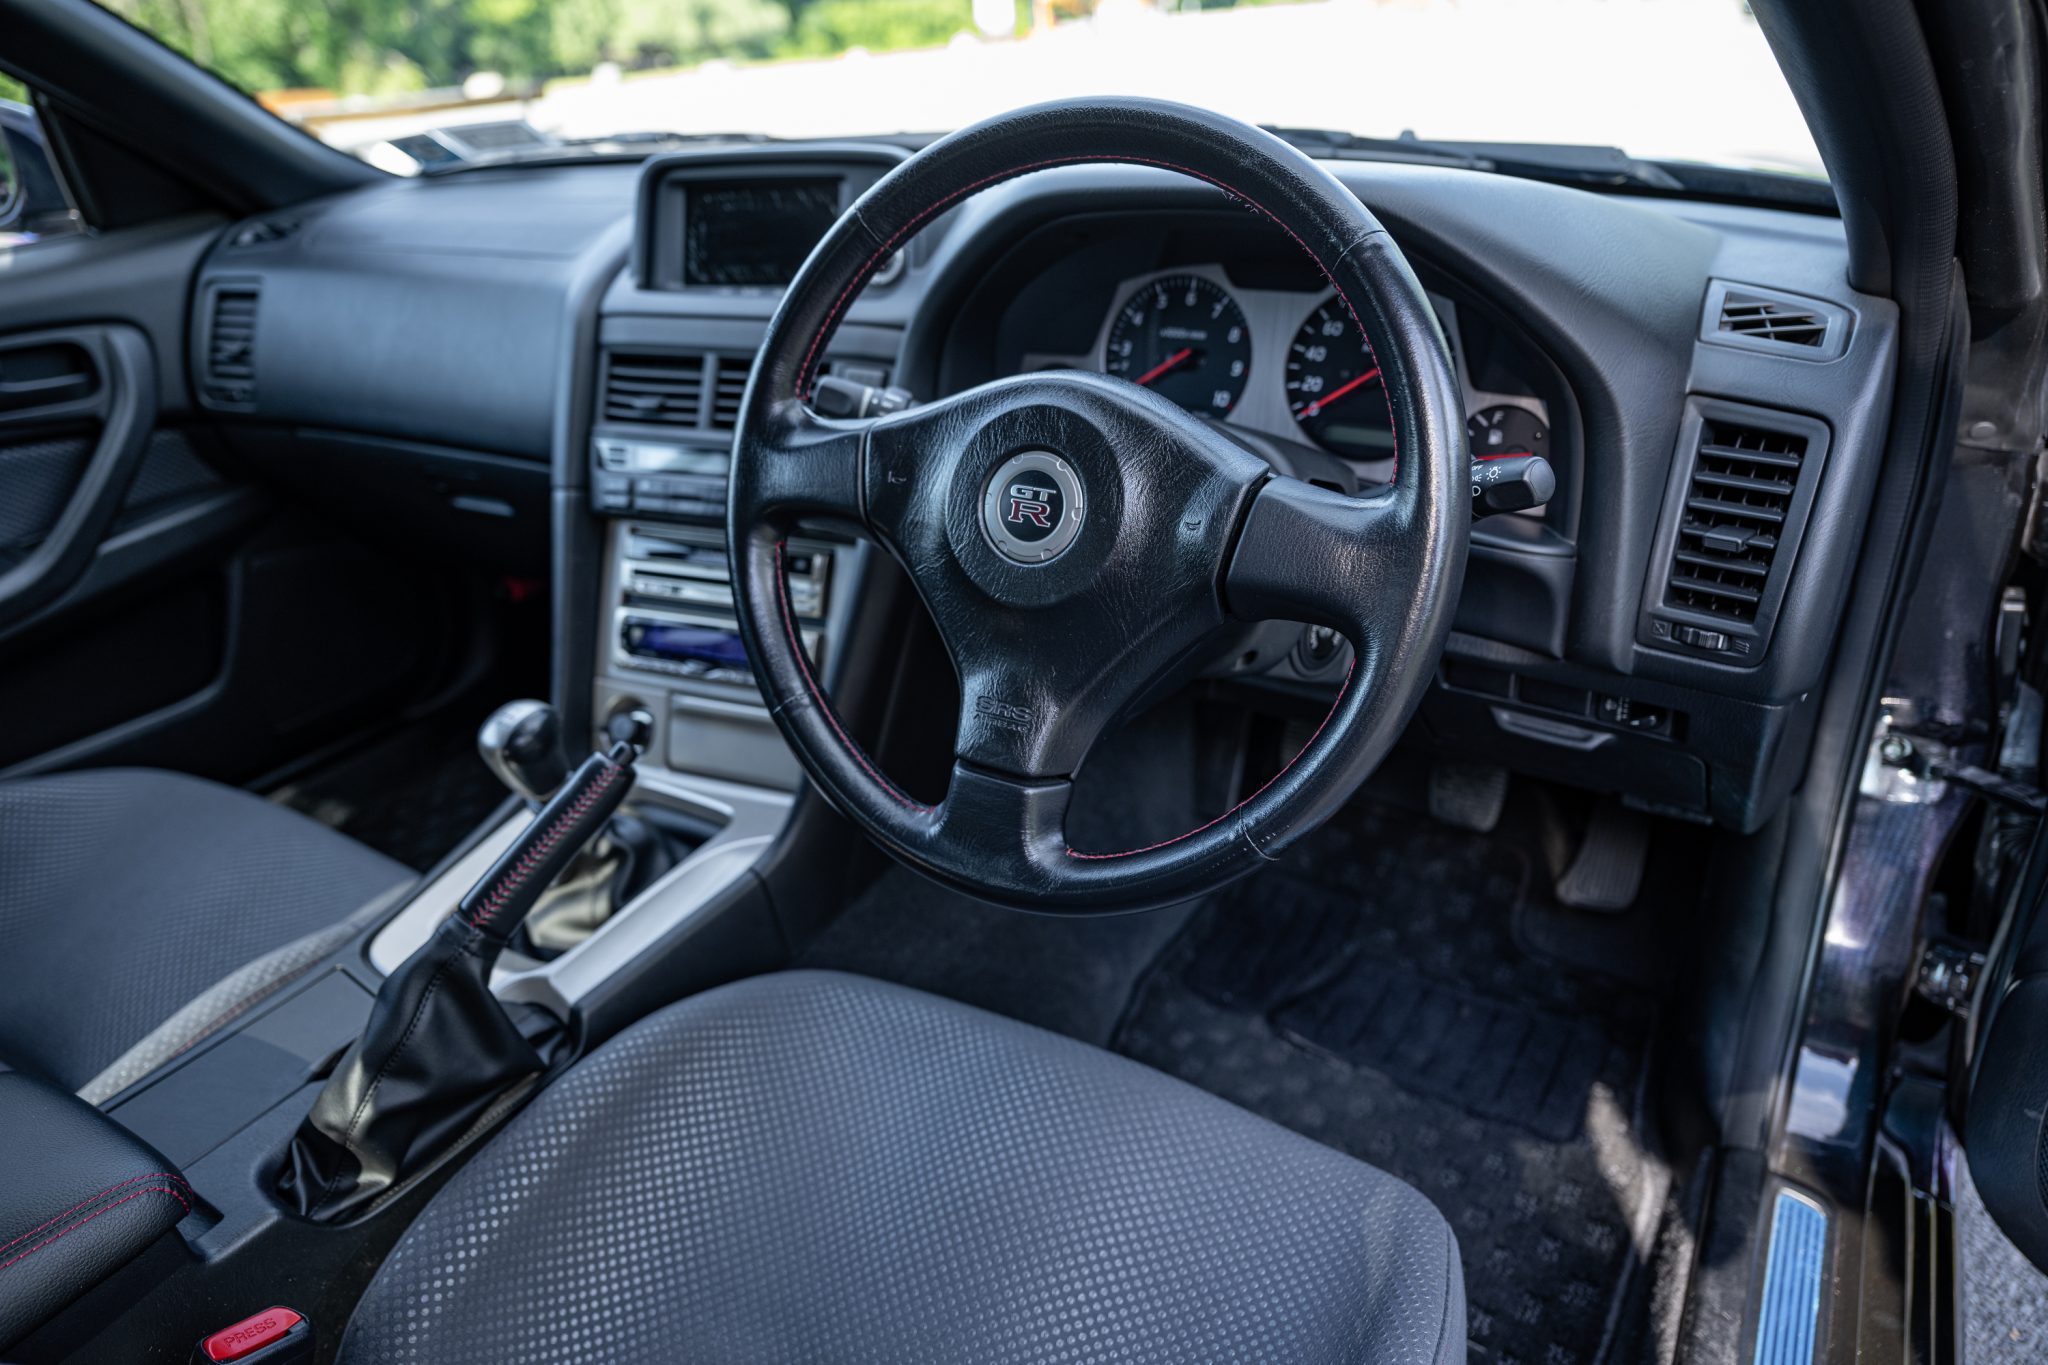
x,y
251,1334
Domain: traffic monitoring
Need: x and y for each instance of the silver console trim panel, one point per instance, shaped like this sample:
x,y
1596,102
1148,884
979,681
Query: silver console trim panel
x,y
749,820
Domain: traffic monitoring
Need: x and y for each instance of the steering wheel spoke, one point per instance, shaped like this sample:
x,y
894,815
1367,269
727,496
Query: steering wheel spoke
x,y
803,465
1326,558
1013,828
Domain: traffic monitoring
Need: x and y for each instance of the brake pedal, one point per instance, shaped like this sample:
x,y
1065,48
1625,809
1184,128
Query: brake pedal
x,y
1607,871
1468,795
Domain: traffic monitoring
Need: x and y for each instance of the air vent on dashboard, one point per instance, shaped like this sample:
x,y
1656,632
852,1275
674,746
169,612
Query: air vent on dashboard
x,y
654,388
1737,504
675,388
728,386
228,378
1777,323
1772,320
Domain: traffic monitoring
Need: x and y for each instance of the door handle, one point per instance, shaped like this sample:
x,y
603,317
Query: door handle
x,y
117,371
45,374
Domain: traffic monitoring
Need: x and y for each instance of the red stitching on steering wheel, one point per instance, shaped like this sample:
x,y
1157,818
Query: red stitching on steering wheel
x,y
1329,715
831,320
825,707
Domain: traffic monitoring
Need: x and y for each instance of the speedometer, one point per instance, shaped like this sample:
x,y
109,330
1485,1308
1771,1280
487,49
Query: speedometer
x,y
1333,386
1184,337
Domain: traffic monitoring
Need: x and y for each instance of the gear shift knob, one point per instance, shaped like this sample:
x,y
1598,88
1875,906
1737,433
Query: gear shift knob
x,y
522,744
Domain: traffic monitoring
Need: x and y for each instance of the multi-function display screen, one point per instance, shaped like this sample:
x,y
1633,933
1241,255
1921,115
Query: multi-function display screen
x,y
753,232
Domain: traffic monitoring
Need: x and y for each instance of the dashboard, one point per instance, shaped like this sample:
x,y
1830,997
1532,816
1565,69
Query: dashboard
x,y
554,356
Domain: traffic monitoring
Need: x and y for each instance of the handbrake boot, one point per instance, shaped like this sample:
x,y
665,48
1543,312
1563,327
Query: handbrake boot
x,y
439,1050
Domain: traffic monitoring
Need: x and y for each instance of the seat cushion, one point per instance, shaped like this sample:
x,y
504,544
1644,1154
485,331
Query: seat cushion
x,y
815,1167
124,893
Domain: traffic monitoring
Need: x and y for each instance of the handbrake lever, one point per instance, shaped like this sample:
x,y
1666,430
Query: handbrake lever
x,y
439,1050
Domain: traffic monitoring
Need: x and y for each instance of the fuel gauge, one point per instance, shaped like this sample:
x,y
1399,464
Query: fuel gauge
x,y
1506,430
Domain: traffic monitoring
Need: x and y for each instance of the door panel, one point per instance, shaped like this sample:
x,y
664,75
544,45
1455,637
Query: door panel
x,y
91,386
156,606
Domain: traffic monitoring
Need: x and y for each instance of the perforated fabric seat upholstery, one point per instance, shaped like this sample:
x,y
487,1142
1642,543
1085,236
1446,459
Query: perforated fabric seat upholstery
x,y
126,892
816,1167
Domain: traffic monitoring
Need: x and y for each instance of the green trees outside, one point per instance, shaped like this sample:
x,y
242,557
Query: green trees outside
x,y
381,47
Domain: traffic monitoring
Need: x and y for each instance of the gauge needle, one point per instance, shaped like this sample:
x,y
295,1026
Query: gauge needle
x,y
1163,366
1339,391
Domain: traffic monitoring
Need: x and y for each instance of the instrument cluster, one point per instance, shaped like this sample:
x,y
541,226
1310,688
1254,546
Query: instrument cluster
x,y
1288,364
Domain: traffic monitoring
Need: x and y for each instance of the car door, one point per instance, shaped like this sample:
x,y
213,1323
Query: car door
x,y
157,606
109,506
2005,1108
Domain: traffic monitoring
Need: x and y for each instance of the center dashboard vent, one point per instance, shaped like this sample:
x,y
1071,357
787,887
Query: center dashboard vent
x,y
697,390
1742,495
228,373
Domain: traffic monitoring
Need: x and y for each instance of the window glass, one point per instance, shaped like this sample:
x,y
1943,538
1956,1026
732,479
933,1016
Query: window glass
x,y
33,204
411,84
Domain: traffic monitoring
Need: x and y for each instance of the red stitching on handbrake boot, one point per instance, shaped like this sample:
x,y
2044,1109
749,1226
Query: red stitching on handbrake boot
x,y
803,665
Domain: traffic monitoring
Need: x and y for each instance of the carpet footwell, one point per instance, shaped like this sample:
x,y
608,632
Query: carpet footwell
x,y
1371,994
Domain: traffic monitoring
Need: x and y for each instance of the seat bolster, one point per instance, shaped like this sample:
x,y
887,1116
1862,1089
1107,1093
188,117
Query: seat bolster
x,y
126,892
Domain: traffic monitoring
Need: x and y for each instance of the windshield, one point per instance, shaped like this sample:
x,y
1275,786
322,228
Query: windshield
x,y
414,84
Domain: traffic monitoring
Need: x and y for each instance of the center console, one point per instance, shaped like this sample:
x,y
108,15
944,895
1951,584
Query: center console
x,y
671,645
716,238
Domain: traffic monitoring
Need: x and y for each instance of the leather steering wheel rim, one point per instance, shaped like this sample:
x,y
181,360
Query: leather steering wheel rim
x,y
1176,530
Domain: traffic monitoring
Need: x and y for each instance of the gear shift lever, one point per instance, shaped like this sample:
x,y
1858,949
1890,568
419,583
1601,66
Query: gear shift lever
x,y
522,744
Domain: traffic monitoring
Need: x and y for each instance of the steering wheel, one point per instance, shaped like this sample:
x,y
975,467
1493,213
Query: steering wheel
x,y
1075,535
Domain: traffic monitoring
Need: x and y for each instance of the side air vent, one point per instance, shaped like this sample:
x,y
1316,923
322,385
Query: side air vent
x,y
1773,321
228,377
655,389
1743,478
1763,319
1738,506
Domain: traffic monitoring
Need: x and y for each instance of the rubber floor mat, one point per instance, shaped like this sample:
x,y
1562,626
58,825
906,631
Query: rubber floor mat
x,y
1370,993
1497,1059
412,796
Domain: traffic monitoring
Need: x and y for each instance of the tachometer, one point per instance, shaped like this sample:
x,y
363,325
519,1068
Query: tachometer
x,y
1184,337
1333,386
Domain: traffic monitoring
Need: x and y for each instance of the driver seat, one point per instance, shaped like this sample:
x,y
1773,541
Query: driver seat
x,y
816,1167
